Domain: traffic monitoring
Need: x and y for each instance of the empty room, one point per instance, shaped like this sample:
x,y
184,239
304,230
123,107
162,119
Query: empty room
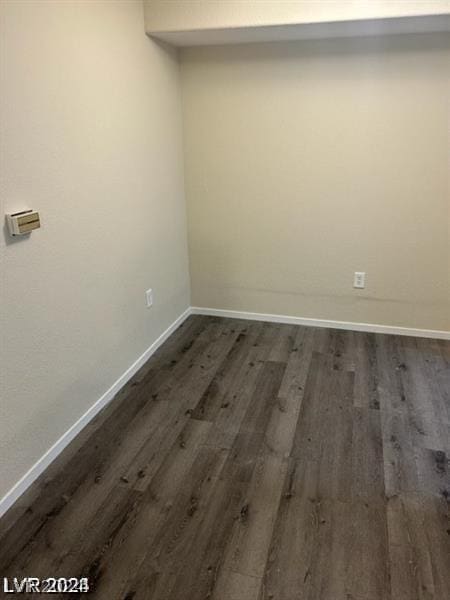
x,y
225,299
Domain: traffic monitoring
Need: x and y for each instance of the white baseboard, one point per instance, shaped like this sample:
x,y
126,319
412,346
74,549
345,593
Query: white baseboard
x,y
371,328
23,484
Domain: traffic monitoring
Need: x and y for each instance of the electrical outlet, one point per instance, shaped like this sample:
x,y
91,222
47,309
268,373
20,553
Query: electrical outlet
x,y
359,280
149,297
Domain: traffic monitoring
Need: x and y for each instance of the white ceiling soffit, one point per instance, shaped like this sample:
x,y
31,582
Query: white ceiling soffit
x,y
306,31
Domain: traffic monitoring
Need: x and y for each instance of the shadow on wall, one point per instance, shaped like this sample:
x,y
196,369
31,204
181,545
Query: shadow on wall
x,y
10,239
331,47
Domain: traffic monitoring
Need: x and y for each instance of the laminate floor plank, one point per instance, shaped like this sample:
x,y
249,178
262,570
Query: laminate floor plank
x,y
366,372
327,549
419,548
215,397
247,550
121,563
251,460
175,543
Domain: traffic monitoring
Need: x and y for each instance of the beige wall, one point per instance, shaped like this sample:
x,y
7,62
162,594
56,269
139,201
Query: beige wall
x,y
90,136
307,161
182,15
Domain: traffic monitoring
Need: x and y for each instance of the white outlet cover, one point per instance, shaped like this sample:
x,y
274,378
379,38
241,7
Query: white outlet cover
x,y
149,297
359,280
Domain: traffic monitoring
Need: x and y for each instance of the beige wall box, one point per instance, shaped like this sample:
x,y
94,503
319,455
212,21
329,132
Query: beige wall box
x,y
23,222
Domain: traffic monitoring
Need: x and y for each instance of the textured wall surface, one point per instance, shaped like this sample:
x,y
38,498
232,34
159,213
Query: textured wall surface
x,y
307,161
91,137
185,15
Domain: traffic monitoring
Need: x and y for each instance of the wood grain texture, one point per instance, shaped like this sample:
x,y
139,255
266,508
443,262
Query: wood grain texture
x,y
254,461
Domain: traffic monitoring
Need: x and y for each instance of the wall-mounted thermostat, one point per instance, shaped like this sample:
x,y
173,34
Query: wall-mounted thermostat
x,y
23,222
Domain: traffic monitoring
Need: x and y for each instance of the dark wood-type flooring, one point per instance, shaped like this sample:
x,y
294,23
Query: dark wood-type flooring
x,y
254,461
